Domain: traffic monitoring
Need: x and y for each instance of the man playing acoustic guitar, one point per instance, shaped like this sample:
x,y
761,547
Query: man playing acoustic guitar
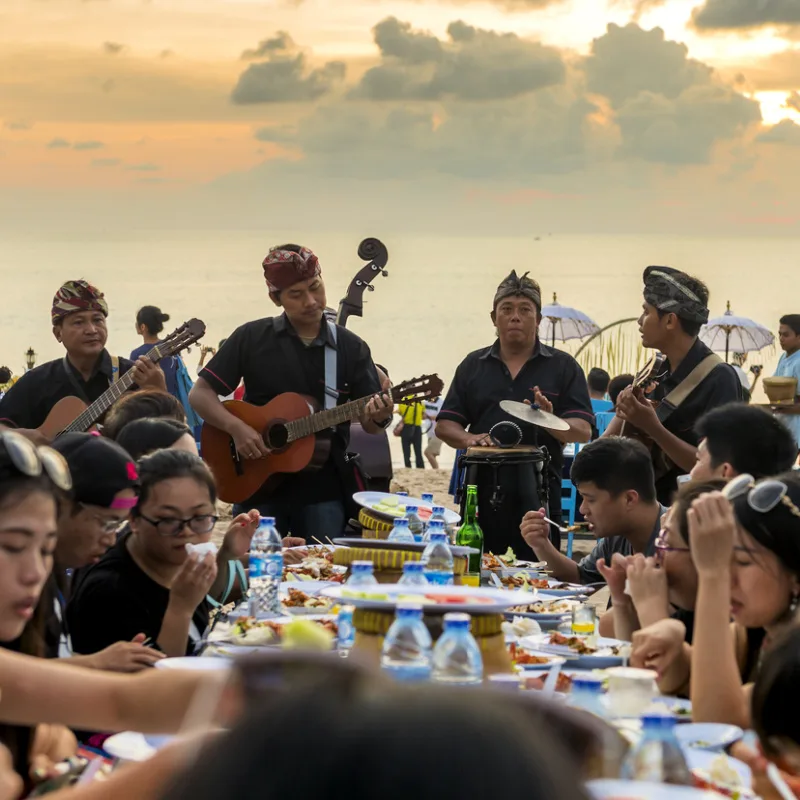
x,y
693,382
79,322
288,354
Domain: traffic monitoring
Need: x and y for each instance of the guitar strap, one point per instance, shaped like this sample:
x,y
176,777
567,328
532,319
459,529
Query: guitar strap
x,y
114,369
685,388
331,355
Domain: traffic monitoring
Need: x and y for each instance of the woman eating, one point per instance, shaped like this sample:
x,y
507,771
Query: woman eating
x,y
746,548
148,582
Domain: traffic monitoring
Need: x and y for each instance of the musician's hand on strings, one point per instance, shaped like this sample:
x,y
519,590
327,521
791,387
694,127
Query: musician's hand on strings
x,y
633,407
249,443
148,375
379,408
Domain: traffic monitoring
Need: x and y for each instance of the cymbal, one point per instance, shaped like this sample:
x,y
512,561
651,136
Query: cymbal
x,y
534,416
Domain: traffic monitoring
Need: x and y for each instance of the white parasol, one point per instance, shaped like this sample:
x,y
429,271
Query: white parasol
x,y
562,323
736,334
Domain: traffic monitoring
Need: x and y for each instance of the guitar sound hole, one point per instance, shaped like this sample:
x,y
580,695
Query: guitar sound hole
x,y
277,437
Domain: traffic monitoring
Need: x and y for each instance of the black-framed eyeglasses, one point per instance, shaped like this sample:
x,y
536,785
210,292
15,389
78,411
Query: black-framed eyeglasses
x,y
172,526
764,496
31,461
106,524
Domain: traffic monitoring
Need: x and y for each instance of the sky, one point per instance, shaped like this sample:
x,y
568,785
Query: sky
x,y
628,116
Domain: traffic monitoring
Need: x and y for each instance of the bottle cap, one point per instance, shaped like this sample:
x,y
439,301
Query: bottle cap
x,y
409,610
438,510
655,720
266,521
413,566
427,495
362,566
412,509
401,522
589,683
402,494
436,525
454,620
437,536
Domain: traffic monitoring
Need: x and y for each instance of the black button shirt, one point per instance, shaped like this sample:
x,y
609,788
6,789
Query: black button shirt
x,y
28,402
721,386
482,380
271,359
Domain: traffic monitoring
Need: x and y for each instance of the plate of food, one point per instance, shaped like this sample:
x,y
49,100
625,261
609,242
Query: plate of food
x,y
545,608
679,706
534,680
526,659
246,634
582,652
314,569
714,736
297,600
719,773
640,790
491,562
434,599
525,582
393,506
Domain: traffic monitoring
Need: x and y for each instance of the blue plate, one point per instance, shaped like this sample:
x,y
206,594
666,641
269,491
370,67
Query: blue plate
x,y
708,735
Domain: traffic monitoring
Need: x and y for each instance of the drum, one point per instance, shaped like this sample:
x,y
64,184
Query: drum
x,y
510,481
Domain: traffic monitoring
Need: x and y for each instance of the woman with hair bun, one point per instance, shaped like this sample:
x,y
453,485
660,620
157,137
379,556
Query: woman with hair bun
x,y
149,324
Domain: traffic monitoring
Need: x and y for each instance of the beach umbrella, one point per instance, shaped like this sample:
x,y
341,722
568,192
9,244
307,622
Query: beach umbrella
x,y
563,323
737,334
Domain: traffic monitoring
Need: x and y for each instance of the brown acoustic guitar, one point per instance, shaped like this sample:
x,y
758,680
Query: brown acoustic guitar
x,y
71,414
296,432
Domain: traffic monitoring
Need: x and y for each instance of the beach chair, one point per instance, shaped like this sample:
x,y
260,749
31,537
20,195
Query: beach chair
x,y
603,420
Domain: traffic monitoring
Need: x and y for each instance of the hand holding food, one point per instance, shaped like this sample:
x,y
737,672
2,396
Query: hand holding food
x,y
535,531
192,583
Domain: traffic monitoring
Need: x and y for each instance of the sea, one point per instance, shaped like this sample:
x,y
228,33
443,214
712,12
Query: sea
x,y
429,312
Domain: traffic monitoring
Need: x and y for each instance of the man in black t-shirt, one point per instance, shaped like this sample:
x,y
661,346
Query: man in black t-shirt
x,y
287,354
518,366
675,308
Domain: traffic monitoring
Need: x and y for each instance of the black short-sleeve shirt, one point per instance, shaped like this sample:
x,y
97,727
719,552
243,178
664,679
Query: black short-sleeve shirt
x,y
271,359
114,600
721,386
482,381
28,402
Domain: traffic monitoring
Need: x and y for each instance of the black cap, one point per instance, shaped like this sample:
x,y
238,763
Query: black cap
x,y
100,468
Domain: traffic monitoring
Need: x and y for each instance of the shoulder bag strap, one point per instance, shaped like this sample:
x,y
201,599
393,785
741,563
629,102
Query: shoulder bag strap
x,y
685,388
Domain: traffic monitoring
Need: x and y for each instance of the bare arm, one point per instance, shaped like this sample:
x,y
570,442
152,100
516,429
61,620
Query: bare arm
x,y
207,404
614,428
579,431
536,533
681,453
453,434
37,690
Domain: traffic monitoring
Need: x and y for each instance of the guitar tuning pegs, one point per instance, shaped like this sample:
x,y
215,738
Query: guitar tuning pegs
x,y
370,287
385,273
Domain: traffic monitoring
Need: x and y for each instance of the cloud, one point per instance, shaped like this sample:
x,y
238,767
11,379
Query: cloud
x,y
90,145
474,64
106,162
17,125
58,144
279,134
793,101
143,167
284,77
113,48
670,108
785,132
741,14
281,42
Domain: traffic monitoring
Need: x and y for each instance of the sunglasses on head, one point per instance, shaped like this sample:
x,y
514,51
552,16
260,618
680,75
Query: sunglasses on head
x,y
32,461
762,497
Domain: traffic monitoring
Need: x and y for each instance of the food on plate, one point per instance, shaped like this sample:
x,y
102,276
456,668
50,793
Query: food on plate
x,y
491,561
537,680
544,607
523,658
299,599
308,635
252,632
523,581
392,507
722,778
320,551
575,643
520,627
314,569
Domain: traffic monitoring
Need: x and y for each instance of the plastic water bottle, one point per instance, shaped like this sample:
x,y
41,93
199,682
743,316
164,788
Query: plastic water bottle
x,y
415,523
437,515
265,569
437,558
457,658
658,757
406,653
587,694
346,636
401,532
427,497
413,574
401,495
361,574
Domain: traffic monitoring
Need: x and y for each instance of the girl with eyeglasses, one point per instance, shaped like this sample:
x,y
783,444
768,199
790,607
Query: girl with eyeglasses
x,y
148,582
746,549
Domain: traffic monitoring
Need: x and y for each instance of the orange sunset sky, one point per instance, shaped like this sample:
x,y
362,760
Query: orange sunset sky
x,y
628,115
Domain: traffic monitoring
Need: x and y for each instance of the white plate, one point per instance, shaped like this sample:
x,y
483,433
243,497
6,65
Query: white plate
x,y
219,638
193,663
639,790
708,735
556,616
485,601
551,661
129,746
297,577
703,759
371,499
602,659
679,706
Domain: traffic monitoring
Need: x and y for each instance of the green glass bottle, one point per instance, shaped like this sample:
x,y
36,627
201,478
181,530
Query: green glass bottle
x,y
470,533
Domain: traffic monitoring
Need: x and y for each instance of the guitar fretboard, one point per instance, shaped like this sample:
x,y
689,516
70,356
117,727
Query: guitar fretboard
x,y
95,411
307,426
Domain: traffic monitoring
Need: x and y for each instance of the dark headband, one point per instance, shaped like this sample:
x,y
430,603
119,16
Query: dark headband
x,y
519,286
666,290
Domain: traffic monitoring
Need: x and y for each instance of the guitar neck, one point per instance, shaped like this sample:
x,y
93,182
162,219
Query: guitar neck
x,y
322,420
110,396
